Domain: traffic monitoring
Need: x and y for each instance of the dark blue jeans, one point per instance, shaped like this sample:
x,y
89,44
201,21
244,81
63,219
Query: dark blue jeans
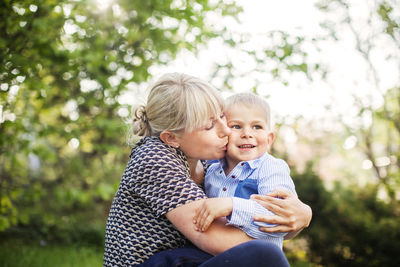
x,y
255,253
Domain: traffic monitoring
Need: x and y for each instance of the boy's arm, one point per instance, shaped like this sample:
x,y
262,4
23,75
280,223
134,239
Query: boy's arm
x,y
275,175
211,209
243,213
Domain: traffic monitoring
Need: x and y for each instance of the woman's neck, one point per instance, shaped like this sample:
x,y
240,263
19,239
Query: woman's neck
x,y
196,170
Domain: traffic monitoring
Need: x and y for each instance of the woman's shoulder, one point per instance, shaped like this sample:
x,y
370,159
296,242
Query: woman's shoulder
x,y
151,146
153,150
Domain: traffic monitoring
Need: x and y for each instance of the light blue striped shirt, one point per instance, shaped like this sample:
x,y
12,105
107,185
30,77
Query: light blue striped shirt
x,y
268,172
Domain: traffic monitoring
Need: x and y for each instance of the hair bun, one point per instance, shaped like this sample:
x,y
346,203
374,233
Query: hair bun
x,y
140,114
140,124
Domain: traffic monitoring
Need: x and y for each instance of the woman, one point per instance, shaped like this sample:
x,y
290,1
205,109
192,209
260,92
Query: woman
x,y
153,209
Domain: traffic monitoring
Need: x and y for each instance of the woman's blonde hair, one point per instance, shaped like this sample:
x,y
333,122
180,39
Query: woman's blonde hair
x,y
176,102
250,100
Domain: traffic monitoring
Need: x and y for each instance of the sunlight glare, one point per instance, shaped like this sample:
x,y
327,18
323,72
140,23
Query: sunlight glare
x,y
104,4
73,143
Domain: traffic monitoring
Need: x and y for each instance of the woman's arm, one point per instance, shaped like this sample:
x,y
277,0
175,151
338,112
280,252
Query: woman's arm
x,y
291,215
218,238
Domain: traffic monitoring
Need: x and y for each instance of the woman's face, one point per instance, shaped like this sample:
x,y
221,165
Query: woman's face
x,y
208,142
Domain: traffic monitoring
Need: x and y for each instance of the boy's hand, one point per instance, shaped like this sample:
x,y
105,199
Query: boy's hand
x,y
210,209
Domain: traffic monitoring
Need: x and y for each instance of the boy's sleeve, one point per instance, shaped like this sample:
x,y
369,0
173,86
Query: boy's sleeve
x,y
242,216
278,177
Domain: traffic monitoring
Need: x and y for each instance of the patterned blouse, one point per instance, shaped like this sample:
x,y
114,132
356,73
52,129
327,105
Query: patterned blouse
x,y
156,180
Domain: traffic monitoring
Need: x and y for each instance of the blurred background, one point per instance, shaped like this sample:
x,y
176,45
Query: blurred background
x,y
71,71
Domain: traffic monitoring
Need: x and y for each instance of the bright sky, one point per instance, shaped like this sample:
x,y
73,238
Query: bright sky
x,y
348,76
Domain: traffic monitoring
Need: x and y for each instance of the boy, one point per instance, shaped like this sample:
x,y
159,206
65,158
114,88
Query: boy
x,y
246,169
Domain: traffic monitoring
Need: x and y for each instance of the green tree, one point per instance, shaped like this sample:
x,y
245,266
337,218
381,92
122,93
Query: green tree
x,y
350,226
64,68
353,225
378,140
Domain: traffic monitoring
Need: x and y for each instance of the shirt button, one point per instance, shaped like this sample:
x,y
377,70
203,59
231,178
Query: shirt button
x,y
220,172
242,163
224,189
233,176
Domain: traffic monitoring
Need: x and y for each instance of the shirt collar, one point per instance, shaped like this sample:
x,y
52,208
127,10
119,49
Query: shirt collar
x,y
253,164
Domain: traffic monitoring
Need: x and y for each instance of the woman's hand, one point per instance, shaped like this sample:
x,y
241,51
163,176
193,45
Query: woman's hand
x,y
291,215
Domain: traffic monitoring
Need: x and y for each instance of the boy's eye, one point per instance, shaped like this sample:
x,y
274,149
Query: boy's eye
x,y
235,126
257,127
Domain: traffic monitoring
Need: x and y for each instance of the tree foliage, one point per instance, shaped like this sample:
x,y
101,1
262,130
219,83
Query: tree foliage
x,y
380,138
64,66
350,225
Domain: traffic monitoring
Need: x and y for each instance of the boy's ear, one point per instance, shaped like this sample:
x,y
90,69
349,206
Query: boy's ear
x,y
270,138
169,138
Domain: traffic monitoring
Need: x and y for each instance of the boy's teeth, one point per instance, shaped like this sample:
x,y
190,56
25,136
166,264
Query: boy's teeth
x,y
246,146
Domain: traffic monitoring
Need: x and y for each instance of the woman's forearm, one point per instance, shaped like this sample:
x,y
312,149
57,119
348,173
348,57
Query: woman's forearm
x,y
219,237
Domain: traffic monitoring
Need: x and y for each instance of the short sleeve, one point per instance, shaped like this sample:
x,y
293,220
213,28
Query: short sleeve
x,y
163,181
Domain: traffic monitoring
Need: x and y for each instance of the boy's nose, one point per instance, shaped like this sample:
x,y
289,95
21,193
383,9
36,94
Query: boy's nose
x,y
246,133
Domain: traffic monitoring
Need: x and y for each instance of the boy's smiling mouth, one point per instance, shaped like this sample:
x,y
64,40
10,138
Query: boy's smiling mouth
x,y
246,146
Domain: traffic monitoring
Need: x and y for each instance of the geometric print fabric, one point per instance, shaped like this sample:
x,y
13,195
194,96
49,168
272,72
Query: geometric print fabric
x,y
155,181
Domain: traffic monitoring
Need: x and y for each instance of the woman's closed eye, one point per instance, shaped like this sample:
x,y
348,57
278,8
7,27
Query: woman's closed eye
x,y
212,122
210,125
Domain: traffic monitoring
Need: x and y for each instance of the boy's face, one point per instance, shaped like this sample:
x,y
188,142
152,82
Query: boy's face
x,y
250,137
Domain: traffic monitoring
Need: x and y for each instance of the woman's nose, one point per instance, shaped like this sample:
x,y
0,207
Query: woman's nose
x,y
223,129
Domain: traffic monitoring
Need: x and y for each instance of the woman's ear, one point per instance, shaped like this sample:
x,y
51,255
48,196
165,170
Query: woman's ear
x,y
169,138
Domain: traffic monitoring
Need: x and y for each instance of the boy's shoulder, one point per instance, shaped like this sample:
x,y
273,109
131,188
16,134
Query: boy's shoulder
x,y
269,161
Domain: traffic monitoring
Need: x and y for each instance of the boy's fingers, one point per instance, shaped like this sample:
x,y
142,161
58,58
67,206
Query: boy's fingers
x,y
195,220
203,220
210,219
198,219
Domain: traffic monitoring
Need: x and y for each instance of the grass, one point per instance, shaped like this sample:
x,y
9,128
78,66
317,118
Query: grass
x,y
16,253
31,252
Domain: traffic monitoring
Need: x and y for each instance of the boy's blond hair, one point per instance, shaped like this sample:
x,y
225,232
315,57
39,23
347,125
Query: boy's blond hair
x,y
249,100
